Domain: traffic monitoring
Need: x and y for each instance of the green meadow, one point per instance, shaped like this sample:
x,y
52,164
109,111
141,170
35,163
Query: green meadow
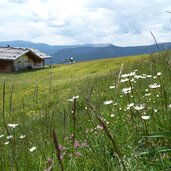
x,y
111,114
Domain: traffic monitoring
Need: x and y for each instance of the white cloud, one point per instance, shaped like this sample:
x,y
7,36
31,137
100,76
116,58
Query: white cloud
x,y
120,22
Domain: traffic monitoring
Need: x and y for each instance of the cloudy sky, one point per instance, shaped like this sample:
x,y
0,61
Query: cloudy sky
x,y
121,22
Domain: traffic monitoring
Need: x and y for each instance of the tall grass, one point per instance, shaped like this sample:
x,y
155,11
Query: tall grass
x,y
112,119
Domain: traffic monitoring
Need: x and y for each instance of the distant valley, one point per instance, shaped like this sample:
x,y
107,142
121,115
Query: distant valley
x,y
87,51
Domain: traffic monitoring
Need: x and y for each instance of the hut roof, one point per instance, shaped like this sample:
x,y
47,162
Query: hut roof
x,y
12,53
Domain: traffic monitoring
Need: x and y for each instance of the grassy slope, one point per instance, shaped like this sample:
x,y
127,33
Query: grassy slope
x,y
64,78
38,112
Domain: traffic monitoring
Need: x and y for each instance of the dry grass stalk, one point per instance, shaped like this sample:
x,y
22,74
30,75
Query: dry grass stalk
x,y
74,120
58,152
11,95
120,73
110,136
50,165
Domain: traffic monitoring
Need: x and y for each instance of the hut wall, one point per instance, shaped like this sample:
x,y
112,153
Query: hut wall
x,y
27,61
5,66
22,62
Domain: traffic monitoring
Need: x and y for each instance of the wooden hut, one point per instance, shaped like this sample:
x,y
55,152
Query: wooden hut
x,y
14,59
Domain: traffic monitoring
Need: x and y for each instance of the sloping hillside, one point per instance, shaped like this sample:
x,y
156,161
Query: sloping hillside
x,y
87,52
110,114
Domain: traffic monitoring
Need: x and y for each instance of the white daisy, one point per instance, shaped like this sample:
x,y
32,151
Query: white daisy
x,y
155,110
6,143
149,76
128,75
145,117
9,137
148,94
155,85
159,74
112,87
32,149
124,80
107,102
112,115
138,76
72,99
130,105
126,90
75,97
22,136
140,107
12,125
1,136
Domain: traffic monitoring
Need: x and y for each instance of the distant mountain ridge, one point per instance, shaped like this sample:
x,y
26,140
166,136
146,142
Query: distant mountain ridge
x,y
88,51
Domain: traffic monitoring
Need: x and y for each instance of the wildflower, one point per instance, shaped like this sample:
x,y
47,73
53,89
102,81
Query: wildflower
x,y
155,110
9,137
22,136
128,75
159,74
126,90
149,76
72,99
157,95
6,143
60,147
61,156
155,77
112,87
124,80
84,144
71,136
138,76
169,106
32,149
130,105
132,80
99,127
107,102
155,85
145,117
78,154
12,125
70,155
144,76
148,94
146,90
140,107
75,97
1,136
112,115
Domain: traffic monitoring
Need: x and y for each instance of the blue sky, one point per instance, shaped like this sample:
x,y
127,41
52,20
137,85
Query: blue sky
x,y
65,22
